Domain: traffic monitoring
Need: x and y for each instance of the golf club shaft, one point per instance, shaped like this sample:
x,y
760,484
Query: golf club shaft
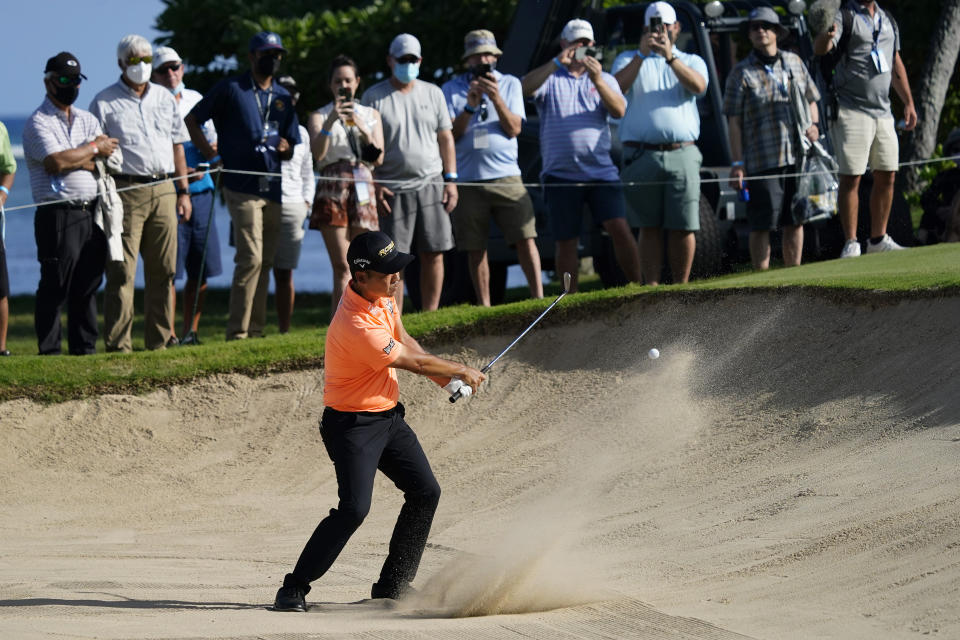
x,y
456,396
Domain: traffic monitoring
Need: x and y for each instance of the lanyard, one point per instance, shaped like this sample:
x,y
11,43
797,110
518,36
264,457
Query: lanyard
x,y
777,78
876,24
264,111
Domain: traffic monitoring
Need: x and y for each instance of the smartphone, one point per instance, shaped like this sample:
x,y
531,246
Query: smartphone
x,y
656,24
480,70
345,93
582,52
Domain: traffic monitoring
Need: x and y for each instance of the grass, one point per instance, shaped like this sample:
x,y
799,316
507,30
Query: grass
x,y
923,271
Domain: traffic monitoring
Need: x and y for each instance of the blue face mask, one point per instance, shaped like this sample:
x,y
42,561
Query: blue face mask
x,y
406,72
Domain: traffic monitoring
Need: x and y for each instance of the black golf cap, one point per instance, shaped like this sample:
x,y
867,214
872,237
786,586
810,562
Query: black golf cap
x,y
376,251
64,64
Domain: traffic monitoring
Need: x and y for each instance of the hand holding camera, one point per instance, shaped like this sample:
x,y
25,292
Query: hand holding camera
x,y
659,39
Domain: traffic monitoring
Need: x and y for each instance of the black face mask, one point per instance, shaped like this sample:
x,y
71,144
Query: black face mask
x,y
66,95
268,65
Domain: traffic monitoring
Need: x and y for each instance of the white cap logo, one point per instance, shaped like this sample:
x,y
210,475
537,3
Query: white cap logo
x,y
71,63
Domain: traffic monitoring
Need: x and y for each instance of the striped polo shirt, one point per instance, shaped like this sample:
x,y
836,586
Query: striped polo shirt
x,y
574,135
48,131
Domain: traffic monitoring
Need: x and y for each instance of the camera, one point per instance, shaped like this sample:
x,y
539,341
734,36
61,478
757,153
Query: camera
x,y
656,24
582,52
479,70
345,93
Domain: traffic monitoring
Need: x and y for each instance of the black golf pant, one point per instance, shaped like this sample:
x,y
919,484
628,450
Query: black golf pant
x,y
72,252
359,444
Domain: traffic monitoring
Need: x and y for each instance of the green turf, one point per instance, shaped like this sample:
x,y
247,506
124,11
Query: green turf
x,y
925,271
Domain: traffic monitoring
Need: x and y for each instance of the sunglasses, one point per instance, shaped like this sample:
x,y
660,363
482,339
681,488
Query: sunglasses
x,y
765,26
169,67
138,59
67,81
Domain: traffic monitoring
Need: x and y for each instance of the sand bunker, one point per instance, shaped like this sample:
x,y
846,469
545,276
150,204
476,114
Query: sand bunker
x,y
786,469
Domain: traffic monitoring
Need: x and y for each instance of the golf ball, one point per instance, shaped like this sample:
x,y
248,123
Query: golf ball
x,y
653,354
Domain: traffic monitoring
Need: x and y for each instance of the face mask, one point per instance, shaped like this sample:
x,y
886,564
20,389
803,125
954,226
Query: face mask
x,y
66,95
268,65
177,90
138,73
406,72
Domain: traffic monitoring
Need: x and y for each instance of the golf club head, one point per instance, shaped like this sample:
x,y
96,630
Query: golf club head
x,y
566,282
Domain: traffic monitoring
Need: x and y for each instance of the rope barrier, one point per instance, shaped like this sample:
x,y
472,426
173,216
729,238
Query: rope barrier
x,y
540,185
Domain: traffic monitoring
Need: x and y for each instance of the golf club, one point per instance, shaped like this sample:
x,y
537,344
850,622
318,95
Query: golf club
x,y
566,289
192,337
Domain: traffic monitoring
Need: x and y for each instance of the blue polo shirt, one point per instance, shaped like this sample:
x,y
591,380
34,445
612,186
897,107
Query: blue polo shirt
x,y
239,110
497,157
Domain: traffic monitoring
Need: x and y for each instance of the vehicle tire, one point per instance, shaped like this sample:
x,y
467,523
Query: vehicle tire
x,y
708,258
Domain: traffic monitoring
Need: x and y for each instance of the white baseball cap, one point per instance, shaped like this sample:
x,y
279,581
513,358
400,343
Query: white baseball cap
x,y
577,29
163,55
405,45
660,10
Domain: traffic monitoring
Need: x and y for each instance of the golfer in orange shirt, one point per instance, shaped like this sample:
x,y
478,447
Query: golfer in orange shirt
x,y
363,427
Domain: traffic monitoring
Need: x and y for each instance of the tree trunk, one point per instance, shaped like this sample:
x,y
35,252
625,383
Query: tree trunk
x,y
931,90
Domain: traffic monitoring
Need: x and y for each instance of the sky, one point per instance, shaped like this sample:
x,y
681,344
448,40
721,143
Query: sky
x,y
35,30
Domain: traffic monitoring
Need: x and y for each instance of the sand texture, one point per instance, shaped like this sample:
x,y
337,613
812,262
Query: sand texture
x,y
788,468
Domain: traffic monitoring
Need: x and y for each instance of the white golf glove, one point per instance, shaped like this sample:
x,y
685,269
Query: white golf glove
x,y
456,384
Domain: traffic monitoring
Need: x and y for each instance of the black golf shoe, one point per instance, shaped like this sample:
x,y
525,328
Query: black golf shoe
x,y
290,599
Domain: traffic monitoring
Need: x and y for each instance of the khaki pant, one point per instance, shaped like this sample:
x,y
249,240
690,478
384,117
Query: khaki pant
x,y
256,227
150,230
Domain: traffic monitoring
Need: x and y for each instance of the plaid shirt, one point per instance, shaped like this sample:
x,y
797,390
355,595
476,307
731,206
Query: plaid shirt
x,y
760,96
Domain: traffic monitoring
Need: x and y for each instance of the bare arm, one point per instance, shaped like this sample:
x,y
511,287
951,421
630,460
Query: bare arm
x,y
614,103
319,142
80,157
736,151
535,78
823,43
199,140
448,156
510,122
415,359
689,78
628,75
6,180
902,86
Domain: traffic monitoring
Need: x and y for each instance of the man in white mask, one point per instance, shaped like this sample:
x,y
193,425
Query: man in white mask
x,y
418,176
146,119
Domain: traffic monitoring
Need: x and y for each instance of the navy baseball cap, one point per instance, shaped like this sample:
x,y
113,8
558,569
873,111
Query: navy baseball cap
x,y
376,251
266,40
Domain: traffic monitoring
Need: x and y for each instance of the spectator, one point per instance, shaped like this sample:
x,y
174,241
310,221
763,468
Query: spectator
x,y
419,148
574,97
257,129
192,233
864,129
658,134
146,120
487,111
347,140
757,102
298,186
8,169
60,143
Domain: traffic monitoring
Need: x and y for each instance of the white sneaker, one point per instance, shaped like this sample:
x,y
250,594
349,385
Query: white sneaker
x,y
851,249
886,244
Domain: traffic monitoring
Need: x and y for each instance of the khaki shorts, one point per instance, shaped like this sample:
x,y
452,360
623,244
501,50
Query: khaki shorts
x,y
860,138
506,201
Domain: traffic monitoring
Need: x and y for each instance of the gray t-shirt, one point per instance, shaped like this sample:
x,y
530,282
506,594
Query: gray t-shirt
x,y
410,124
859,84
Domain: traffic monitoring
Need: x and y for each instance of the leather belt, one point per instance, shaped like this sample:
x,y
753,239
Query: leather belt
x,y
667,146
156,177
82,205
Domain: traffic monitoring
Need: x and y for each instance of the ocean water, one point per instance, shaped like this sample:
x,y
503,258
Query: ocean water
x,y
313,274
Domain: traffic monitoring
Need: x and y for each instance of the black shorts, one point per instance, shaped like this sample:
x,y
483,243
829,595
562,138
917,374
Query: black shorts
x,y
4,276
771,199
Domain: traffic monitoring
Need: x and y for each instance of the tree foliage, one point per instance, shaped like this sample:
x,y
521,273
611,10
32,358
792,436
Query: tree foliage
x,y
204,32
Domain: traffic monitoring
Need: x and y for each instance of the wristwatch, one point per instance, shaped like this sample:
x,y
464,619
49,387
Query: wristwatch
x,y
450,177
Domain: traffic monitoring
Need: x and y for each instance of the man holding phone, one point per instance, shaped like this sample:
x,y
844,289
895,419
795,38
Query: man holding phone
x,y
574,97
659,132
487,111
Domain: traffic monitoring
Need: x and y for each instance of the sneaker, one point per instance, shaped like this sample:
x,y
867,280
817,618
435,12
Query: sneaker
x,y
290,599
886,244
391,591
189,339
173,342
851,249
5,352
